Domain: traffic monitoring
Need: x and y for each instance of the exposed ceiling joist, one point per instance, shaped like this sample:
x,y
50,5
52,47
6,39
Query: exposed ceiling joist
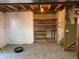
x,y
23,7
59,6
32,7
49,7
4,8
12,7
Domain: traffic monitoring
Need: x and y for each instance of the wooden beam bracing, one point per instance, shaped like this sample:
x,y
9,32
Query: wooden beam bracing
x,y
12,7
23,7
5,8
32,7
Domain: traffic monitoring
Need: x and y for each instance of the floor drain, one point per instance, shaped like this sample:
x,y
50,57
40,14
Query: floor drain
x,y
18,49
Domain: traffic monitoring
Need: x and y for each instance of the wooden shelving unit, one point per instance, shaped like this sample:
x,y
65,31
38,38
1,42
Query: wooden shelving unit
x,y
45,29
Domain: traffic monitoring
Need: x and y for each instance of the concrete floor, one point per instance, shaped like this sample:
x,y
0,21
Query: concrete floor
x,y
37,51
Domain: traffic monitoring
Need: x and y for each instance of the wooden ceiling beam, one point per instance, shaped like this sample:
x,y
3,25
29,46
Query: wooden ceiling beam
x,y
49,7
23,7
32,7
3,7
12,7
59,6
3,10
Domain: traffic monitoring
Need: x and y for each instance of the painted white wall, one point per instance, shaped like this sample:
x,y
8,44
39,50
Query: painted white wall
x,y
19,27
61,24
2,30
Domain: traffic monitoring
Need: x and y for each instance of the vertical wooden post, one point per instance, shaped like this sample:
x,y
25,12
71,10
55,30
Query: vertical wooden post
x,y
77,42
65,36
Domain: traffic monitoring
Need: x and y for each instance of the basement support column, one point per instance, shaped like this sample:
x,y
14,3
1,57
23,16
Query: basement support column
x,y
77,42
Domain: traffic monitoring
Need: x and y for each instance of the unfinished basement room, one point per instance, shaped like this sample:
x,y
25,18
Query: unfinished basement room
x,y
39,29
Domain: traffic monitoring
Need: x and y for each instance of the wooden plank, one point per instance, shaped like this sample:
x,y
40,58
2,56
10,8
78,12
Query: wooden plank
x,y
32,7
4,7
65,38
12,7
23,7
59,6
77,43
40,3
